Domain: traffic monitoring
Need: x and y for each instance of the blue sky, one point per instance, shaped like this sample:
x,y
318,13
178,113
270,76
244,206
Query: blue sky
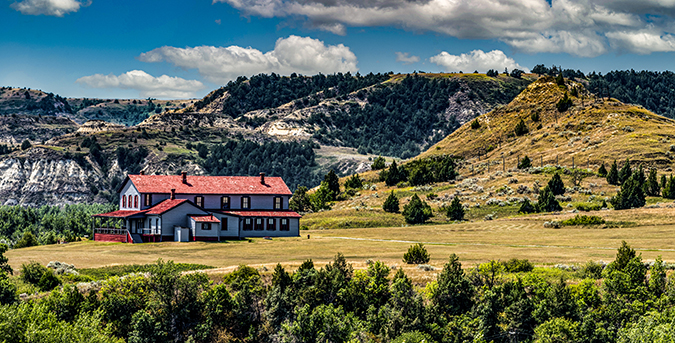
x,y
180,49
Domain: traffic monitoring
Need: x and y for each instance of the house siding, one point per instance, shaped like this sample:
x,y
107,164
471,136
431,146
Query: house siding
x,y
197,232
258,202
130,189
293,230
178,216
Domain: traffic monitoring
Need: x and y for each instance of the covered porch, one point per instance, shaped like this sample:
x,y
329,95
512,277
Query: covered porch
x,y
122,226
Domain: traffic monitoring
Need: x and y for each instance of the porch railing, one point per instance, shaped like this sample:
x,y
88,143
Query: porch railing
x,y
150,231
110,231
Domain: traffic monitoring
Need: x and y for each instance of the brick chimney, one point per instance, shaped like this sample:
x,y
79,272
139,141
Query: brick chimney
x,y
262,178
184,175
173,193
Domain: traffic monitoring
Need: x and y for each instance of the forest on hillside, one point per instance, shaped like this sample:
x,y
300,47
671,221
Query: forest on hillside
x,y
624,301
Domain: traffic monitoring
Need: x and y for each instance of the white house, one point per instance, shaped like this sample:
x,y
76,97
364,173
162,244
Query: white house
x,y
157,208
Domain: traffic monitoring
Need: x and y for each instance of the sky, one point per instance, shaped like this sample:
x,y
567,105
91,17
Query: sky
x,y
184,49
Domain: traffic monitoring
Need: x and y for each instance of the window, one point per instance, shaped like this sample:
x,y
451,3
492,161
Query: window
x,y
284,225
248,224
245,203
135,201
157,223
147,199
271,224
278,203
225,203
206,226
259,224
199,201
124,201
223,224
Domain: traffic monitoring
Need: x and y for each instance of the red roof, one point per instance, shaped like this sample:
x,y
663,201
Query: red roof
x,y
288,214
119,214
165,205
209,184
206,219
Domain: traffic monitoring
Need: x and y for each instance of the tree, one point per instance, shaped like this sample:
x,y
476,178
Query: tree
x,y
4,261
560,80
613,174
564,103
521,128
527,207
333,183
547,201
354,182
454,292
455,210
417,254
26,145
378,163
202,150
517,73
625,172
416,211
602,171
668,190
556,185
391,203
300,201
652,187
321,199
630,195
524,163
27,240
540,70
492,73
535,117
393,175
475,125
557,330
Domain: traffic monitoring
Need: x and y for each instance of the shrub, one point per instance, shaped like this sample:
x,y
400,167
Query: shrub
x,y
592,270
527,207
564,103
521,128
27,240
354,182
32,272
587,206
391,204
417,254
547,201
378,163
455,210
535,117
414,336
515,265
475,125
602,172
583,220
524,163
26,145
48,281
416,211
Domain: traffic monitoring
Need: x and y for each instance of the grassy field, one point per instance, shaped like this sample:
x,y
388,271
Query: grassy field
x,y
474,242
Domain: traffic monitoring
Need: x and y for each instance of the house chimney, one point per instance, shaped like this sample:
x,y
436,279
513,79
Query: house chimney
x,y
173,193
142,172
184,175
262,178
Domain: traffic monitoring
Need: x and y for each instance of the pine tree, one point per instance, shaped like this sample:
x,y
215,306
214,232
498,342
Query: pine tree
x,y
354,182
524,163
378,163
565,103
625,172
416,211
417,254
456,210
560,80
664,180
527,207
556,185
602,172
475,124
547,201
613,174
652,187
630,195
333,182
391,203
521,128
668,191
393,175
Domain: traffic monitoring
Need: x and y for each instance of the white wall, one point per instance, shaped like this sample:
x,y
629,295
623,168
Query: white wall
x,y
197,231
130,189
178,217
259,202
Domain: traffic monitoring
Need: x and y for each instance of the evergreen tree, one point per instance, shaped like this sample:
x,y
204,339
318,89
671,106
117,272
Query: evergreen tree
x,y
333,183
556,185
300,201
664,180
625,172
564,103
26,145
668,190
630,195
416,254
454,293
391,203
378,163
393,175
547,201
527,207
613,174
559,80
524,163
416,211
521,128
652,187
354,182
475,124
602,172
455,210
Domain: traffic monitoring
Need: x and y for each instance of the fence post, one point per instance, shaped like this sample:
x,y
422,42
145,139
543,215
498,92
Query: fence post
x,y
541,159
572,162
503,164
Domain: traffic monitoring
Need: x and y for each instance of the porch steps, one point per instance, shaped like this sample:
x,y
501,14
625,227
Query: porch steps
x,y
136,238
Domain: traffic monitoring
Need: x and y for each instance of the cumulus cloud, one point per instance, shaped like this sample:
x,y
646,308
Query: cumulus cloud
x,y
405,58
577,27
290,55
148,85
476,60
55,8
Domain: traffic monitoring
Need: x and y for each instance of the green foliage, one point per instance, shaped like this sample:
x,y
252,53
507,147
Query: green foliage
x,y
521,128
131,160
625,172
535,117
526,207
630,195
583,220
102,273
27,240
354,182
4,261
48,281
547,201
524,163
413,337
517,73
32,272
453,295
557,330
391,204
321,199
587,206
556,185
668,190
378,163
492,73
560,80
515,265
475,125
602,171
652,187
417,211
332,182
564,103
417,254
456,210
392,175
613,174
26,145
592,270
300,201
430,170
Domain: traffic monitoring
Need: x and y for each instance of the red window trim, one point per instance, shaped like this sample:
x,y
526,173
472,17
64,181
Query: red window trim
x,y
124,201
272,227
284,227
260,226
135,201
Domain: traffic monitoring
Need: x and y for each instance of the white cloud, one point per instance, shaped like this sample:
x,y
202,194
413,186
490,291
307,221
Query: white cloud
x,y
577,27
476,60
294,54
642,42
55,8
405,58
148,85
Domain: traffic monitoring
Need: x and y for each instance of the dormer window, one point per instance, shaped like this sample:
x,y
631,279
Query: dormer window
x,y
278,203
199,201
147,199
245,203
135,201
124,201
225,203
